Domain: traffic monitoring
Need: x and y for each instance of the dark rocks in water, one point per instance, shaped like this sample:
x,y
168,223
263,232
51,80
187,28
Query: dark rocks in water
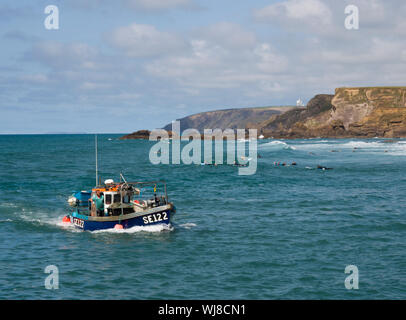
x,y
284,164
323,168
140,134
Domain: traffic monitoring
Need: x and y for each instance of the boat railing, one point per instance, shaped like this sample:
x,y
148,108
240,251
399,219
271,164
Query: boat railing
x,y
150,183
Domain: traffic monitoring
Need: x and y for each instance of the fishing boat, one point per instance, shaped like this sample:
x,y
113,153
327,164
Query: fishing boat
x,y
120,205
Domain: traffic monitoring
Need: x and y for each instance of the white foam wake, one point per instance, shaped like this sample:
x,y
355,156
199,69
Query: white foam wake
x,y
136,229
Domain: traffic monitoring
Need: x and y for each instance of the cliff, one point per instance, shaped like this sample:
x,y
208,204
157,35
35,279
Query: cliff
x,y
351,112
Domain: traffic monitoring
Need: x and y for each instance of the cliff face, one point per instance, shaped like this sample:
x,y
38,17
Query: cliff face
x,y
297,122
371,111
351,112
230,118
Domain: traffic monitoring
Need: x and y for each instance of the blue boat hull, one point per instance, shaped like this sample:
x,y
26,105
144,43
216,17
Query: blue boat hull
x,y
147,219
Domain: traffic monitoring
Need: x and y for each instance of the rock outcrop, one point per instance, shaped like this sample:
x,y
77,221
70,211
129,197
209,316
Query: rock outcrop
x,y
140,134
296,123
351,112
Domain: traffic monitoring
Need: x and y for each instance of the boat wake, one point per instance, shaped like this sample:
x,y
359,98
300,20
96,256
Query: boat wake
x,y
136,229
67,226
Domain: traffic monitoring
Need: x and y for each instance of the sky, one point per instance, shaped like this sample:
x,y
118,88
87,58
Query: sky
x,y
127,65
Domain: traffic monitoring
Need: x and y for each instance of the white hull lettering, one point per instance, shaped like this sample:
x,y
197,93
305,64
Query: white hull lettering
x,y
78,222
156,217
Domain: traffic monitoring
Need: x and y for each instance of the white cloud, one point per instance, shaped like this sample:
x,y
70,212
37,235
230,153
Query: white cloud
x,y
229,58
38,78
268,60
145,5
377,52
158,4
56,54
305,12
373,13
141,40
229,35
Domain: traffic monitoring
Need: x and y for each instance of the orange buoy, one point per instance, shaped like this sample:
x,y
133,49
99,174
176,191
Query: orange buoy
x,y
118,226
66,219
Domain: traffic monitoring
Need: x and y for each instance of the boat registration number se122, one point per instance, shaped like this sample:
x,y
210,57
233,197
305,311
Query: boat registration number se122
x,y
78,222
156,217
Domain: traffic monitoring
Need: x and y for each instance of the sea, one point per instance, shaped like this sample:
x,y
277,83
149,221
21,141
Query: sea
x,y
285,232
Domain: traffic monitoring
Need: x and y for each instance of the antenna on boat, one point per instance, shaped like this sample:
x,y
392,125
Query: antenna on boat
x,y
97,171
122,177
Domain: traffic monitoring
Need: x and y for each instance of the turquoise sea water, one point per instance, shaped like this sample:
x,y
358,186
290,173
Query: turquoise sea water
x,y
283,233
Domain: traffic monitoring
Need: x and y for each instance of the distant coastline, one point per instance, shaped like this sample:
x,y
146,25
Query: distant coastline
x,y
357,112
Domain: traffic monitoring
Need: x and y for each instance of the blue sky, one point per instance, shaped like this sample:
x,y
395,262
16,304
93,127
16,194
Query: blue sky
x,y
138,64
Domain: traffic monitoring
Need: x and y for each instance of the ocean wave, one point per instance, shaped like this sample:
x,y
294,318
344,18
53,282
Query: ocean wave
x,y
188,225
394,148
275,145
362,144
8,205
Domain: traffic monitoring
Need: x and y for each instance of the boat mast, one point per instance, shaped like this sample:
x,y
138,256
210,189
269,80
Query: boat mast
x,y
97,173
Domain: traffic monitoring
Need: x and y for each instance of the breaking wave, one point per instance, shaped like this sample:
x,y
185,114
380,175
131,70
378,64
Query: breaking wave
x,y
389,148
275,145
188,225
